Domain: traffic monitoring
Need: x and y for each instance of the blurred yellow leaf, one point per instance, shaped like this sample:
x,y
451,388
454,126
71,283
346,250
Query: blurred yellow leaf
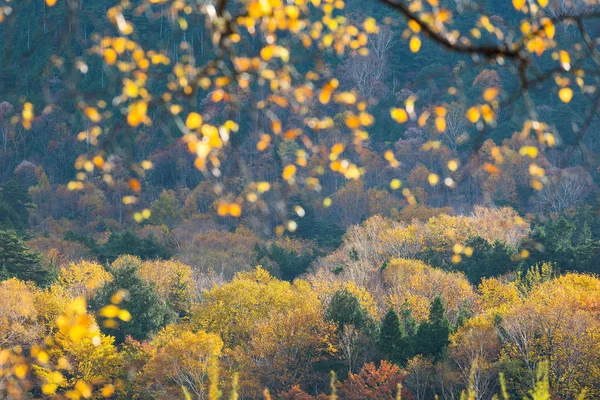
x,y
337,148
440,124
109,311
135,185
266,53
137,113
490,94
473,114
370,25
92,114
124,315
565,60
433,179
110,56
193,121
289,171
518,4
399,115
565,94
414,44
452,165
528,151
489,168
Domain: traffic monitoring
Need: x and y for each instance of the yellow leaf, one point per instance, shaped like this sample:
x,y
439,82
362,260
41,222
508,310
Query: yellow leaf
x,y
433,179
423,119
20,370
193,121
487,113
84,389
565,60
473,114
337,148
395,184
266,53
124,315
565,95
415,44
549,29
518,4
528,151
352,121
452,165
414,26
399,115
441,111
92,114
131,89
288,172
107,390
491,169
543,3
325,95
110,56
217,96
370,25
137,113
440,124
50,3
135,185
490,94
109,311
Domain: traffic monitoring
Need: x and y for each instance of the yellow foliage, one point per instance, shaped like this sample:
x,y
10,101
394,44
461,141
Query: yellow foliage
x,y
173,281
495,296
83,278
18,313
231,310
417,283
180,359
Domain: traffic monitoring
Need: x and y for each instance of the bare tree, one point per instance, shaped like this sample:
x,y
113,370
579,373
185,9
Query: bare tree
x,y
567,11
564,190
366,73
456,125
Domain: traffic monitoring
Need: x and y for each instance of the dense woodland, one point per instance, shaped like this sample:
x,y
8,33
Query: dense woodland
x,y
448,256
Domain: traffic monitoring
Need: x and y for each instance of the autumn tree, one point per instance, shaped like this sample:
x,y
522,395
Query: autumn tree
x,y
173,282
373,382
83,278
180,359
18,314
355,328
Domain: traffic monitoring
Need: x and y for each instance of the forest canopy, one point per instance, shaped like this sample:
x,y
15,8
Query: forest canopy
x,y
299,199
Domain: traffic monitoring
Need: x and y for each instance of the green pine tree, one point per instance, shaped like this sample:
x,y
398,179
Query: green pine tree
x,y
487,260
18,261
585,251
432,335
345,309
392,342
149,312
15,203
